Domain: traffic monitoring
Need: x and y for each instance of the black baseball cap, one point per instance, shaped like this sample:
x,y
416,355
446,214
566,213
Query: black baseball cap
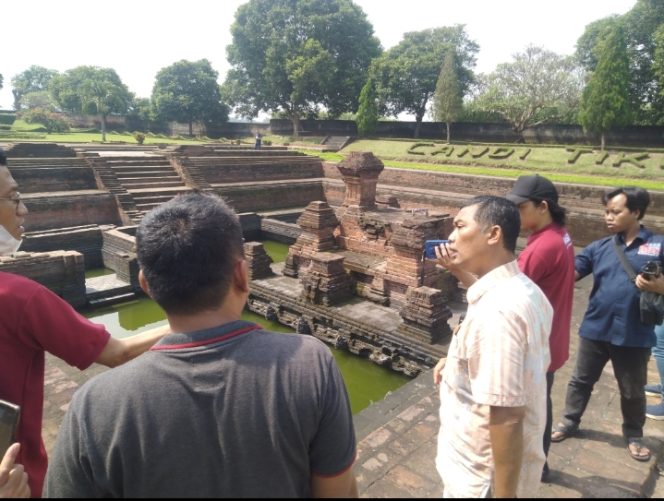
x,y
532,187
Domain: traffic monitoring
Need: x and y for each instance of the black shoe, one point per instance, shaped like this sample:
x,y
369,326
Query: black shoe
x,y
545,473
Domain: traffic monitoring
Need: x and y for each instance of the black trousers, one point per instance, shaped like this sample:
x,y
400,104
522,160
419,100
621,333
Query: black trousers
x,y
549,414
630,369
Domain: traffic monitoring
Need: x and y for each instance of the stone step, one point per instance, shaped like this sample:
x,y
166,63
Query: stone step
x,y
150,179
138,192
109,300
142,168
156,184
144,173
153,199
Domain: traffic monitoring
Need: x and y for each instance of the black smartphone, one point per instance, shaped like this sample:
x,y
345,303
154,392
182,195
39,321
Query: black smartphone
x,y
430,248
9,415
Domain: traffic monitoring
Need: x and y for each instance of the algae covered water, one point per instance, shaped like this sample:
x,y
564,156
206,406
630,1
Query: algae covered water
x,y
366,382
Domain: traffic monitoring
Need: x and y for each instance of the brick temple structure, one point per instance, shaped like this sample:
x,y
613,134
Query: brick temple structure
x,y
353,277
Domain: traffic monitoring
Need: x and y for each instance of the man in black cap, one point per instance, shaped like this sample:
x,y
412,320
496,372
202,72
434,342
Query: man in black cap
x,y
548,260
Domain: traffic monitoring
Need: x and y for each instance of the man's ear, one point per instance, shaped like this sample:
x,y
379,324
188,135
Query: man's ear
x,y
241,275
495,235
142,281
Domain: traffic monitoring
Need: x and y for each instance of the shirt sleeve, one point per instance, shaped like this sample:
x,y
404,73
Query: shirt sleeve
x,y
333,448
51,324
583,262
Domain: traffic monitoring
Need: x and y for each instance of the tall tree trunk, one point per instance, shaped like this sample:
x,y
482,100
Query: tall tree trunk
x,y
295,120
603,142
448,131
191,128
418,122
103,128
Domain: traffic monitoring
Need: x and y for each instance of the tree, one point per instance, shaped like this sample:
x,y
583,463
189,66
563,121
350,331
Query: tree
x,y
448,100
92,91
141,114
539,86
1,80
38,99
606,100
367,113
658,60
188,92
34,79
407,73
295,57
639,25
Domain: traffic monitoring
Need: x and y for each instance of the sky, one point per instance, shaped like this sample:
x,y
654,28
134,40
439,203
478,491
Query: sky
x,y
137,38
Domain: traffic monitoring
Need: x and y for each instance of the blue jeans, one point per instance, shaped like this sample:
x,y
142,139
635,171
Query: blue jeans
x,y
658,354
630,369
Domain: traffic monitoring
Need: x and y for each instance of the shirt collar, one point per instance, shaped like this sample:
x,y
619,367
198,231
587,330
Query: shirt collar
x,y
491,280
182,340
643,235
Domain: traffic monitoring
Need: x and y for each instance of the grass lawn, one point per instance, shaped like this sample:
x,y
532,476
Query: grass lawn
x,y
566,164
615,167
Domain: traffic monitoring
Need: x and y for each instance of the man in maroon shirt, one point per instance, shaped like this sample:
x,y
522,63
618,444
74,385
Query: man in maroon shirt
x,y
34,320
548,260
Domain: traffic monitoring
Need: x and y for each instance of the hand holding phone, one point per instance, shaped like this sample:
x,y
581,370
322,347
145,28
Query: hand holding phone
x,y
430,248
9,416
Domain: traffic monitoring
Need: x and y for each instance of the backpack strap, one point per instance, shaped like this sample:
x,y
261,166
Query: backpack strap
x,y
623,260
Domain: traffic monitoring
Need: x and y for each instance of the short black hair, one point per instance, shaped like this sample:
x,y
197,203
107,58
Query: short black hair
x,y
187,249
498,211
637,198
3,157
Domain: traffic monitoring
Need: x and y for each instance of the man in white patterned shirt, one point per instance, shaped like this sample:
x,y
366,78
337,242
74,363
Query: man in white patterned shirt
x,y
493,382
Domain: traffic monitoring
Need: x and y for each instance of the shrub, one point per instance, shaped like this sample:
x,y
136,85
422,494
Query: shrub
x,y
52,122
7,118
140,137
267,142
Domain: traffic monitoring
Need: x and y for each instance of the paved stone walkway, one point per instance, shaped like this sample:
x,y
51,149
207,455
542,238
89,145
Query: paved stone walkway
x,y
397,436
397,440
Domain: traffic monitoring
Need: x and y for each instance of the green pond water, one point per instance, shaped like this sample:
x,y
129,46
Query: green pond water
x,y
366,382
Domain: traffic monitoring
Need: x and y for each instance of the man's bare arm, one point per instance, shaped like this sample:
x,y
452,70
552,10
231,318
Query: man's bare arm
x,y
340,486
506,433
118,351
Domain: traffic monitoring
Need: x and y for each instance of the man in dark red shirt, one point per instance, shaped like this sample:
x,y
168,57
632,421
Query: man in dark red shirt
x,y
34,321
548,260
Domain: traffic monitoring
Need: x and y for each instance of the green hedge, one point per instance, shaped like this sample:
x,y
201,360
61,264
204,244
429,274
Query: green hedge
x,y
7,118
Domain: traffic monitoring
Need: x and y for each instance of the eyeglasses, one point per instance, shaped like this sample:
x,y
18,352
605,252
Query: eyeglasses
x,y
16,199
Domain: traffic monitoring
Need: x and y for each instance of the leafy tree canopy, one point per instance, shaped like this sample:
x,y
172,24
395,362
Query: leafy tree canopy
x,y
296,56
407,73
188,92
38,99
538,86
658,60
448,100
34,79
639,25
92,91
367,113
606,100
